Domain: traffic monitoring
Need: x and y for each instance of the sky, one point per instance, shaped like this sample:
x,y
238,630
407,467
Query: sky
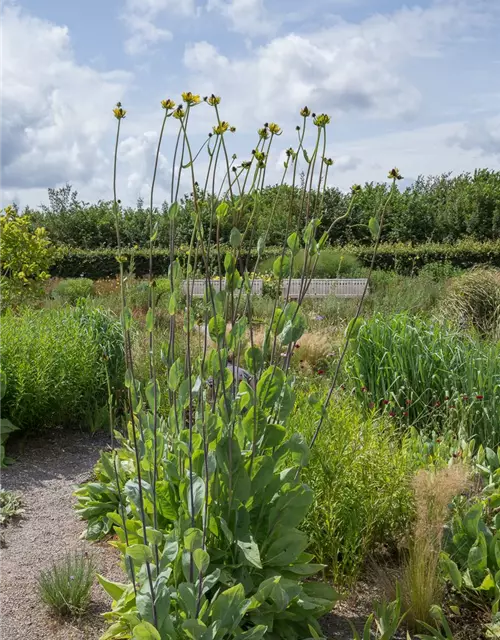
x,y
415,86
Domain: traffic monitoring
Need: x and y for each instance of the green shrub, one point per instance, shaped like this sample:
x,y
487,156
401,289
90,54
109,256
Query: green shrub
x,y
56,363
72,289
332,263
65,587
360,477
427,374
25,258
473,301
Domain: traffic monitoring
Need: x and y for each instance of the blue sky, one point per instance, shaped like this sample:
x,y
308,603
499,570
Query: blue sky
x,y
412,85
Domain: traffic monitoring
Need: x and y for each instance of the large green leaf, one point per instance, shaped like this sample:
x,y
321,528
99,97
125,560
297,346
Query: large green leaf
x,y
145,631
270,386
251,552
294,325
229,607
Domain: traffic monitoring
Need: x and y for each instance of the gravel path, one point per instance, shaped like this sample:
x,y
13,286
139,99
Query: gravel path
x,y
45,474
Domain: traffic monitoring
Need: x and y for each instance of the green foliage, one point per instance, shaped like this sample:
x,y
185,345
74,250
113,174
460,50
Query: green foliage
x,y
360,476
25,258
71,290
427,373
56,363
11,505
6,426
65,587
387,617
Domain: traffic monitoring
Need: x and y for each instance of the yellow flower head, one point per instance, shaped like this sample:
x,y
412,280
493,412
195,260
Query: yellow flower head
x,y
179,113
190,98
305,112
322,120
221,128
119,112
275,129
394,174
167,104
213,100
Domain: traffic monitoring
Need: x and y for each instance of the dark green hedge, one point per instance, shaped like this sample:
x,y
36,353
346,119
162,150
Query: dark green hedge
x,y
407,259
102,263
403,258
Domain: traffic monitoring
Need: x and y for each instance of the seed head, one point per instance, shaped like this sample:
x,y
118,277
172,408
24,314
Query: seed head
x,y
356,188
190,98
322,120
328,161
263,133
232,129
221,128
119,113
394,174
167,104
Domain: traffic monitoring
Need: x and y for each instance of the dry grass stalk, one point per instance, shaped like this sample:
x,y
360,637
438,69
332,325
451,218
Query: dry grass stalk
x,y
421,584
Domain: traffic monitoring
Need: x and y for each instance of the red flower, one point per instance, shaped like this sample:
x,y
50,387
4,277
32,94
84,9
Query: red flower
x,y
342,386
437,404
447,397
479,397
392,414
385,401
297,345
364,389
408,402
405,413
320,372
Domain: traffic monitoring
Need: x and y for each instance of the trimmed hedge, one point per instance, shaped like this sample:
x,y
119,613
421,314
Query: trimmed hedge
x,y
102,263
406,259
402,258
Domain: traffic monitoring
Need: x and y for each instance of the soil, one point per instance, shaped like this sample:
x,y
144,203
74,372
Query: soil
x,y
45,474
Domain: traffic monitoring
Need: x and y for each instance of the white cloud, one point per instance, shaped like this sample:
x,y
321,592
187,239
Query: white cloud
x,y
348,67
141,18
249,17
56,112
482,135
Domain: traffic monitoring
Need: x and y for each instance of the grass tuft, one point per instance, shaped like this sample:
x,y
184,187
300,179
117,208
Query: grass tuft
x,y
65,587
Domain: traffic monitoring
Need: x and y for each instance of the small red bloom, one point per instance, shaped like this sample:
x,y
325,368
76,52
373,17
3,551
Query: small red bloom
x,y
479,397
447,397
439,440
408,402
297,346
385,401
364,389
392,414
342,386
437,404
405,413
320,372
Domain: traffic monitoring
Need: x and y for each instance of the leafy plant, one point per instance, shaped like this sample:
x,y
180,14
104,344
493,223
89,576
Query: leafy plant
x,y
65,587
11,505
387,617
71,290
25,258
6,426
208,519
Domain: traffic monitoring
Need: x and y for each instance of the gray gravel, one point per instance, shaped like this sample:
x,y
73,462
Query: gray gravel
x,y
45,474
